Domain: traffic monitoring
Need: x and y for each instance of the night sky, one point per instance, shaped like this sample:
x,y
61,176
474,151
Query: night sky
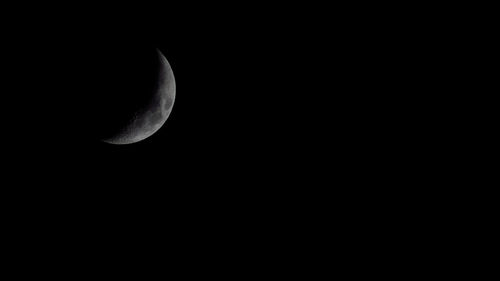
x,y
232,130
290,120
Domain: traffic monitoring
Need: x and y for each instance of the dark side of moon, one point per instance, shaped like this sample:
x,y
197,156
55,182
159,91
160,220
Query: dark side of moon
x,y
127,93
150,112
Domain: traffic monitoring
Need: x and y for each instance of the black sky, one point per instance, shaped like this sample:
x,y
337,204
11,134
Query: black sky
x,y
235,126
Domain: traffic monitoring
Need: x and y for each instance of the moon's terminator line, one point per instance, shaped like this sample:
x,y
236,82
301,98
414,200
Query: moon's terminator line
x,y
149,119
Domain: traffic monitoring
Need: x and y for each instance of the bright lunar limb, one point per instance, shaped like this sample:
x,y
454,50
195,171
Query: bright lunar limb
x,y
146,121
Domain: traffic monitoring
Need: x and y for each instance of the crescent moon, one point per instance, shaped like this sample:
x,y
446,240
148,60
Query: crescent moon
x,y
148,120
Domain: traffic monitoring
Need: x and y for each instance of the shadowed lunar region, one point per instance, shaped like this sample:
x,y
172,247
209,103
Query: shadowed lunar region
x,y
150,117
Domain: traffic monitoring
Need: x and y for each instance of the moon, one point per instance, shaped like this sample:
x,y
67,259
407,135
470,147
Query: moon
x,y
148,119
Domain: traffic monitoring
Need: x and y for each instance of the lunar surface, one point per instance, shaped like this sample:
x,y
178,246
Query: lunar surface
x,y
149,118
